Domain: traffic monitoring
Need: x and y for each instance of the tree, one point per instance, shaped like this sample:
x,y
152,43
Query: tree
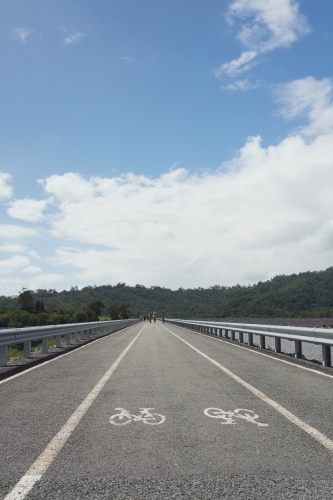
x,y
39,306
26,301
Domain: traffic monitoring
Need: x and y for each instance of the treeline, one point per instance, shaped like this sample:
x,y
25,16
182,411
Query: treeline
x,y
308,294
32,312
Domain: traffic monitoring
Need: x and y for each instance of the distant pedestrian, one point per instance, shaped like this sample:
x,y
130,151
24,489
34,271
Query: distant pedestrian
x,y
163,316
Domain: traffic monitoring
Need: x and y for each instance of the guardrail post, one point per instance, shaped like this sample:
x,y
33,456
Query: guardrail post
x,y
45,346
262,342
76,336
241,337
3,355
58,341
219,332
226,333
277,344
298,349
68,339
250,338
27,349
327,359
233,335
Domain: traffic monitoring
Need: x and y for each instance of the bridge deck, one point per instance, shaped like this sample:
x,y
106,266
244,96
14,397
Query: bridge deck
x,y
187,454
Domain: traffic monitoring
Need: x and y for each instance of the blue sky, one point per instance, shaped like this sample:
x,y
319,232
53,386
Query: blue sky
x,y
129,141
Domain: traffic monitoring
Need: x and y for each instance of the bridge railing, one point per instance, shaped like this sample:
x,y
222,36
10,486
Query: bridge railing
x,y
80,331
317,336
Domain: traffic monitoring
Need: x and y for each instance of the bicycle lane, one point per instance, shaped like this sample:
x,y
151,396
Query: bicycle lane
x,y
37,403
305,392
189,447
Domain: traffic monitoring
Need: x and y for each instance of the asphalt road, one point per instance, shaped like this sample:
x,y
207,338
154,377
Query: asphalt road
x,y
58,442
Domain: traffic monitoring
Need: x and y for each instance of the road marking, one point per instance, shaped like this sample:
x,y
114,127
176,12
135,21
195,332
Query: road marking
x,y
61,355
260,353
286,413
228,416
43,462
125,417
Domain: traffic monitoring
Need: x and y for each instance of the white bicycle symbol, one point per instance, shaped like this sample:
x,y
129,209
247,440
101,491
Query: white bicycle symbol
x,y
228,416
125,417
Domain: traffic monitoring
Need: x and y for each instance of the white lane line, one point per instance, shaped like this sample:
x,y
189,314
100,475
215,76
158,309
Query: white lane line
x,y
287,414
61,356
260,353
42,463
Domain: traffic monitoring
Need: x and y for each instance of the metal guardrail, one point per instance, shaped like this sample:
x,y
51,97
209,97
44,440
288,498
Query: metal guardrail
x,y
80,331
317,336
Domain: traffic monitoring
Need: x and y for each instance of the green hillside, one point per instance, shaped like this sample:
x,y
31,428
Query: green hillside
x,y
308,294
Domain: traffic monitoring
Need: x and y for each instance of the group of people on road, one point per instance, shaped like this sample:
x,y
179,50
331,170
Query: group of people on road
x,y
152,317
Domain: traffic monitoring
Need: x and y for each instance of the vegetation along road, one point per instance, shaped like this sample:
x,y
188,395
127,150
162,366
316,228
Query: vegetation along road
x,y
155,411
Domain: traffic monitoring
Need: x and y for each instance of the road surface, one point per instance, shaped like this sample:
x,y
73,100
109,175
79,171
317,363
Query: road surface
x,y
155,411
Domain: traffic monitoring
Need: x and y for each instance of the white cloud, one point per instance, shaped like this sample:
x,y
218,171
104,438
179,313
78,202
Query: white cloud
x,y
127,59
34,254
32,270
73,38
6,190
266,25
12,247
308,97
268,211
21,35
15,263
45,281
27,209
12,232
242,85
237,66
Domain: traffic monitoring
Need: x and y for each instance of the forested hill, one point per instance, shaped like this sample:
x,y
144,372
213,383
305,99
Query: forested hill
x,y
307,294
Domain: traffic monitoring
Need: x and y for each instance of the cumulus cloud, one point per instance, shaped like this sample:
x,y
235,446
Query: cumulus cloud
x,y
21,35
311,98
45,281
12,232
6,190
27,209
12,247
32,270
15,263
266,212
265,26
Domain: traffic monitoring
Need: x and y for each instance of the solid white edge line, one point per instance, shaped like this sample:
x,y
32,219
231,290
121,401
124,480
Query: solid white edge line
x,y
23,372
257,352
314,433
45,459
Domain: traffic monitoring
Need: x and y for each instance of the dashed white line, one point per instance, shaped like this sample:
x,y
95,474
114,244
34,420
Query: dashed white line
x,y
318,436
42,463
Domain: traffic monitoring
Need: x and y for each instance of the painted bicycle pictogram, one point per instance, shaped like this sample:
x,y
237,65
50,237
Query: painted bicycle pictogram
x,y
125,417
230,416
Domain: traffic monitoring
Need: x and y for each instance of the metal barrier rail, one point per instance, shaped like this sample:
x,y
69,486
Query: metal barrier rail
x,y
317,336
80,331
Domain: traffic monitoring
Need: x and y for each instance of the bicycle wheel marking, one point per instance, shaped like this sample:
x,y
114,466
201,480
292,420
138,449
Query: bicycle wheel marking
x,y
125,417
230,416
